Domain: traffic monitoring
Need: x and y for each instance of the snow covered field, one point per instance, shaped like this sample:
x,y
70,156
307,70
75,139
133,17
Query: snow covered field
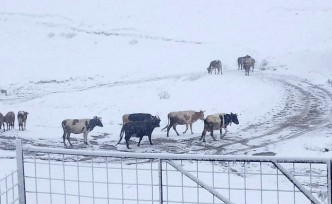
x,y
64,59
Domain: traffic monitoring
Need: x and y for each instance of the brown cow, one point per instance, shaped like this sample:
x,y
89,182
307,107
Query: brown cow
x,y
9,119
183,118
2,123
22,119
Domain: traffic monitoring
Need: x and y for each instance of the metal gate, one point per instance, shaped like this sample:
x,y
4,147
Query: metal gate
x,y
47,175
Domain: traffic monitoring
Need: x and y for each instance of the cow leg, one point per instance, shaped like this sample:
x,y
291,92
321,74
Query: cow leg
x,y
168,128
139,141
68,138
171,124
213,138
174,127
127,144
149,136
222,136
186,128
85,135
203,135
64,139
191,128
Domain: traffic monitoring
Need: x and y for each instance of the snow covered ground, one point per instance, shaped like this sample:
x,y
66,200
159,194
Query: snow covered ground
x,y
64,59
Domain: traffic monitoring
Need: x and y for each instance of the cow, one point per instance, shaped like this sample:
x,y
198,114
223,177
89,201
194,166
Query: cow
x,y
247,63
9,119
216,66
137,117
78,126
217,122
22,119
240,61
2,122
4,92
252,62
183,118
138,129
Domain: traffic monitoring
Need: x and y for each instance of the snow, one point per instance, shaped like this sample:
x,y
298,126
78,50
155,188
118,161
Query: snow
x,y
63,59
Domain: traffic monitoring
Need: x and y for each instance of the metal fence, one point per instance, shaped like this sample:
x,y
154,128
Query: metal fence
x,y
9,189
49,175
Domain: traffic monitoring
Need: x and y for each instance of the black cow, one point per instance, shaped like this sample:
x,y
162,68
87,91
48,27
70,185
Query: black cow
x,y
138,129
137,117
240,61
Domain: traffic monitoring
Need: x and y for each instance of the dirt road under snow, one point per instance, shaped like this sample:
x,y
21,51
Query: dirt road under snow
x,y
308,109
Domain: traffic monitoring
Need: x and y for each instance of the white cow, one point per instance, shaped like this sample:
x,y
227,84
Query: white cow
x,y
78,126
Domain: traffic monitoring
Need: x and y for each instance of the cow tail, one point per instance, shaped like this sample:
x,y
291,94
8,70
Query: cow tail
x,y
166,125
121,135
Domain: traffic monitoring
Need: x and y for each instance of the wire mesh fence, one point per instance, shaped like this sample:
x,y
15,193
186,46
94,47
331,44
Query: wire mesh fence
x,y
8,189
77,176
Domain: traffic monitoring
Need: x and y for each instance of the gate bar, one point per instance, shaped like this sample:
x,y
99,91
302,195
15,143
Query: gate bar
x,y
292,179
233,158
201,183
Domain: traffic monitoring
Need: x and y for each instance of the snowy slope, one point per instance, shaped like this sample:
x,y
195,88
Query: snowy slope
x,y
63,59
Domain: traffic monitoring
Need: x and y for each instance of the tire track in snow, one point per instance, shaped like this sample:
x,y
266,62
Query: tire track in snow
x,y
315,114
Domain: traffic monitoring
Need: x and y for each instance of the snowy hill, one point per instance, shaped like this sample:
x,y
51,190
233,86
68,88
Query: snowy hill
x,y
63,59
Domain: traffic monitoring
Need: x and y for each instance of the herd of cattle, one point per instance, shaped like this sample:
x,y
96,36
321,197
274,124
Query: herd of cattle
x,y
245,63
9,120
134,125
143,124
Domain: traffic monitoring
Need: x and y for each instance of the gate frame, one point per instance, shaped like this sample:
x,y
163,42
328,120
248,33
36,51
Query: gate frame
x,y
167,157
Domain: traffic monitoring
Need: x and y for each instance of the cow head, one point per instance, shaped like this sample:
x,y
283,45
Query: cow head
x,y
156,121
200,115
234,118
229,119
97,121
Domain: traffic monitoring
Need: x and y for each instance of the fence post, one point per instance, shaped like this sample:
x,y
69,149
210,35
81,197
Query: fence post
x,y
160,173
20,172
329,182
